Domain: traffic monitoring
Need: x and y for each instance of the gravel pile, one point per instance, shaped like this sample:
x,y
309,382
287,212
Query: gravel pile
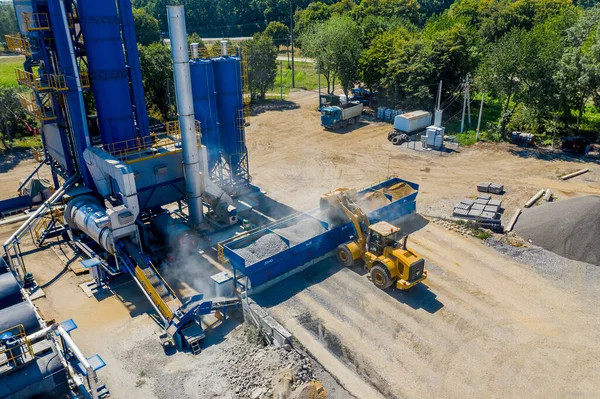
x,y
301,231
569,228
267,245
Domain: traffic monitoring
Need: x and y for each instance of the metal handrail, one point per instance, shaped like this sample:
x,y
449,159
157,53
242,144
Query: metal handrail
x,y
9,353
31,107
36,21
18,44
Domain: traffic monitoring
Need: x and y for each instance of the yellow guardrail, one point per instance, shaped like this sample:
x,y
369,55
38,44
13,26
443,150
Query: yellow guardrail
x,y
30,106
36,21
18,44
85,80
41,83
158,301
17,352
173,128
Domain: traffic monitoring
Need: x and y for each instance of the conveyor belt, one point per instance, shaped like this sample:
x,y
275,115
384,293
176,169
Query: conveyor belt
x,y
157,290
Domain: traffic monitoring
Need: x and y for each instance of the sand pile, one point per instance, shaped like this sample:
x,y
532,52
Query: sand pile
x,y
569,228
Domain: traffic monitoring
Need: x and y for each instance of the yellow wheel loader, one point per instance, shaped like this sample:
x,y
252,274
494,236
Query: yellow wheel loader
x,y
381,246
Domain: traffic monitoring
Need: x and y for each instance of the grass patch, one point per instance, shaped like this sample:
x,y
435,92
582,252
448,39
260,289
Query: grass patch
x,y
24,143
7,70
305,74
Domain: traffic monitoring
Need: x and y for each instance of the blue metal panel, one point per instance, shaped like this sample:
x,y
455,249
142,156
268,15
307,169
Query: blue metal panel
x,y
302,253
135,70
205,107
104,49
74,99
228,87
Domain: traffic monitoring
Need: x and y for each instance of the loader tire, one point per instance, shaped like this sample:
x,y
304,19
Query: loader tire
x,y
392,134
380,276
344,255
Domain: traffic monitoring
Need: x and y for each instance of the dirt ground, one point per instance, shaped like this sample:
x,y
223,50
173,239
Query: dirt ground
x,y
482,324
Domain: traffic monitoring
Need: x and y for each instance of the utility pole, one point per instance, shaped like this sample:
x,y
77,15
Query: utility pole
x,y
480,114
292,37
319,80
437,114
462,119
281,80
469,100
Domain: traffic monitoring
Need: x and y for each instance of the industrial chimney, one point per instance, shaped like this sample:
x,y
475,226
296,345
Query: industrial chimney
x,y
185,110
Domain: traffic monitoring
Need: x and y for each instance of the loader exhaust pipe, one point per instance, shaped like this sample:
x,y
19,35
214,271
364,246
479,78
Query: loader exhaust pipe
x,y
403,243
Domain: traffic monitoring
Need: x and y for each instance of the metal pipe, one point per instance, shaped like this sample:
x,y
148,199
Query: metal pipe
x,y
91,373
185,109
194,47
31,175
43,208
224,48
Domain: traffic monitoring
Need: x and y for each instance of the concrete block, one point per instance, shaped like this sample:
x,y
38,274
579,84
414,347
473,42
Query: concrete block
x,y
483,187
491,208
475,213
460,212
481,201
488,215
496,188
467,201
478,207
495,202
484,197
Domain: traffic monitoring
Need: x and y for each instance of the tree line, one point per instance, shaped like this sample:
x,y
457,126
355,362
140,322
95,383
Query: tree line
x,y
538,59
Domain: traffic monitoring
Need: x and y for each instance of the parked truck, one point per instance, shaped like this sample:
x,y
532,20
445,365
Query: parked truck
x,y
334,117
407,124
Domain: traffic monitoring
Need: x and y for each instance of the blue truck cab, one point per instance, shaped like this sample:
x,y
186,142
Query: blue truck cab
x,y
330,116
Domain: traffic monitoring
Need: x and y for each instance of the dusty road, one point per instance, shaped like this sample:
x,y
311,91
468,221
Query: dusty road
x,y
482,325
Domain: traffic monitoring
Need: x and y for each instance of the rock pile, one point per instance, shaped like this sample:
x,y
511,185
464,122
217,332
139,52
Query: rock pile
x,y
569,228
265,246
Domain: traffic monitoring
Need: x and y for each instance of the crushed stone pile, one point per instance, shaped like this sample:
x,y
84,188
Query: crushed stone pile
x,y
569,228
399,190
262,248
301,231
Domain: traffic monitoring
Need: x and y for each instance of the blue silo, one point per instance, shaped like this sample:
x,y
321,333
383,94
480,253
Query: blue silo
x,y
230,108
205,107
106,62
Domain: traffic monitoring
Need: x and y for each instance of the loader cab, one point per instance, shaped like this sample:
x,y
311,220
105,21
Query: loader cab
x,y
382,235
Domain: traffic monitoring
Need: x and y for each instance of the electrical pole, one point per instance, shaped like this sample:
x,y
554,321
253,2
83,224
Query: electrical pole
x,y
462,119
437,113
469,100
281,80
292,37
480,113
319,80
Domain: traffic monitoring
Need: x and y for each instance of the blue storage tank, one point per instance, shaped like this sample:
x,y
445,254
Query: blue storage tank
x,y
230,106
205,107
106,62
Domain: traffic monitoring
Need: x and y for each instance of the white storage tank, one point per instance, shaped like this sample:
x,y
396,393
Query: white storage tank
x,y
412,121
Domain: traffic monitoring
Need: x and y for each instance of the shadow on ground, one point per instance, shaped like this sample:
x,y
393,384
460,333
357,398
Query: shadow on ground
x,y
10,159
546,154
273,105
347,129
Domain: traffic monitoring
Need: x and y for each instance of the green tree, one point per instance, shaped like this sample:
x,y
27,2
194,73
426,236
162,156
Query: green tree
x,y
336,47
157,75
195,38
14,123
343,7
278,32
8,21
146,27
315,12
407,9
262,65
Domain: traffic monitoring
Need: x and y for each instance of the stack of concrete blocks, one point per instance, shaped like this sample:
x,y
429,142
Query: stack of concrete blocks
x,y
484,207
493,188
